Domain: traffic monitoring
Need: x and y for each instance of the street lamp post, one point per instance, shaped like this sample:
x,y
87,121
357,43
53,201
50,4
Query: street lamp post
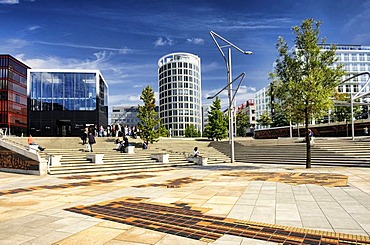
x,y
229,84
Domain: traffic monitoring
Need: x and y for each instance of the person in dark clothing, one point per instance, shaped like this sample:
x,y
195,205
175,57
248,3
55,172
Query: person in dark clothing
x,y
125,144
196,152
91,140
84,136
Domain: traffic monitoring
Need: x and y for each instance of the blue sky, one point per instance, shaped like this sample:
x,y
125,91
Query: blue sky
x,y
124,39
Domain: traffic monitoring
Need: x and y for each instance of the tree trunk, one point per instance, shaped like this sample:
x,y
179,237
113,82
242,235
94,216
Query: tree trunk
x,y
308,141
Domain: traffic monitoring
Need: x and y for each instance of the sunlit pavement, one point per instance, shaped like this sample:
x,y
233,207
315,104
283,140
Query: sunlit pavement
x,y
223,204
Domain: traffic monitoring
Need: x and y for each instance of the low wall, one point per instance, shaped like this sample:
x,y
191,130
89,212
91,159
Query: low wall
x,y
17,160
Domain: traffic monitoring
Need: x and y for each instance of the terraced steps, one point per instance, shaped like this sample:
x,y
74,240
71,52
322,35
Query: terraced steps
x,y
324,152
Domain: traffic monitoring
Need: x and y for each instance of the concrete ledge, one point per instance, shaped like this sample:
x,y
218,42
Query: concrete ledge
x,y
95,158
160,157
198,160
54,160
33,148
130,149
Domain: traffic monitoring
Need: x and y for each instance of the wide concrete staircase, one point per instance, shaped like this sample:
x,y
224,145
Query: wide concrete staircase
x,y
73,157
325,152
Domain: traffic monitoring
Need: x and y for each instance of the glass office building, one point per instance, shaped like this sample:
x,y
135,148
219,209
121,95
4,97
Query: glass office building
x,y
13,95
356,60
180,97
64,102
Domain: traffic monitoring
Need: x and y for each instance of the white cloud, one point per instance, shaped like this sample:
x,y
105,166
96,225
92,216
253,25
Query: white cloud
x,y
244,93
195,40
9,1
212,67
11,44
164,41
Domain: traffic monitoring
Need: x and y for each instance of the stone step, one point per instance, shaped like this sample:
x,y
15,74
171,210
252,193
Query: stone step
x,y
130,167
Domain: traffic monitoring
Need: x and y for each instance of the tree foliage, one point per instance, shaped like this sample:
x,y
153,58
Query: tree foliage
x,y
242,123
304,78
149,128
217,122
264,119
191,131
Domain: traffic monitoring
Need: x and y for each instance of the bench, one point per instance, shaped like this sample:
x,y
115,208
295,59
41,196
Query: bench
x,y
55,160
130,149
160,157
95,158
198,160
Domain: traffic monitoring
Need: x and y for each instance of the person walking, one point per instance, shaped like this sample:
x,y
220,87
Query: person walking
x,y
91,140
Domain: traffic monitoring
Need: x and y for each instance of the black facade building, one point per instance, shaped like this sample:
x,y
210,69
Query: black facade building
x,y
64,102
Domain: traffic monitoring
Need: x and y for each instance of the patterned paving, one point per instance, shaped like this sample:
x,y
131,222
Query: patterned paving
x,y
183,220
174,183
73,184
322,179
91,176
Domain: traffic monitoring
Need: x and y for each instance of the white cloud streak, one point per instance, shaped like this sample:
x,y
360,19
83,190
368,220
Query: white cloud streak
x,y
9,1
124,50
33,28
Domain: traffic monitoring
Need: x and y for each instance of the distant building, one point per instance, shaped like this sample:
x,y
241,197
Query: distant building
x,y
262,104
64,102
249,108
180,100
205,114
13,95
125,115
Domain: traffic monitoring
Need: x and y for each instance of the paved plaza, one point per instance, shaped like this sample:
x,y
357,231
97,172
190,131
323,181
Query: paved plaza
x,y
219,204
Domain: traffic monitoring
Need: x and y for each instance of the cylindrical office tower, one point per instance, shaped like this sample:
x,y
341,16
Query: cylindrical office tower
x,y
179,81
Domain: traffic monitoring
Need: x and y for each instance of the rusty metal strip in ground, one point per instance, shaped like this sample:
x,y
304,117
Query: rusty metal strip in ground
x,y
183,220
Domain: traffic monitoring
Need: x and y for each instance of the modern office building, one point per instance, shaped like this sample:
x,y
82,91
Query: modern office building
x,y
63,102
13,95
356,59
263,104
125,115
179,80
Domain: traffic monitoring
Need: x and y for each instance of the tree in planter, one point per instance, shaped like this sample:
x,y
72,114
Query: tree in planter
x,y
304,79
242,123
149,128
265,119
191,131
217,122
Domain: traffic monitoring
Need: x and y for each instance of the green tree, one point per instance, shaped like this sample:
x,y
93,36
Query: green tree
x,y
149,128
217,123
242,123
191,131
265,119
305,78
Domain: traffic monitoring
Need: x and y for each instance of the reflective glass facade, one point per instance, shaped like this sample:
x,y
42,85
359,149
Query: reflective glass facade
x,y
180,92
63,102
13,95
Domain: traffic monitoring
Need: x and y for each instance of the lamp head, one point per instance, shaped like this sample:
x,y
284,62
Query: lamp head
x,y
247,52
